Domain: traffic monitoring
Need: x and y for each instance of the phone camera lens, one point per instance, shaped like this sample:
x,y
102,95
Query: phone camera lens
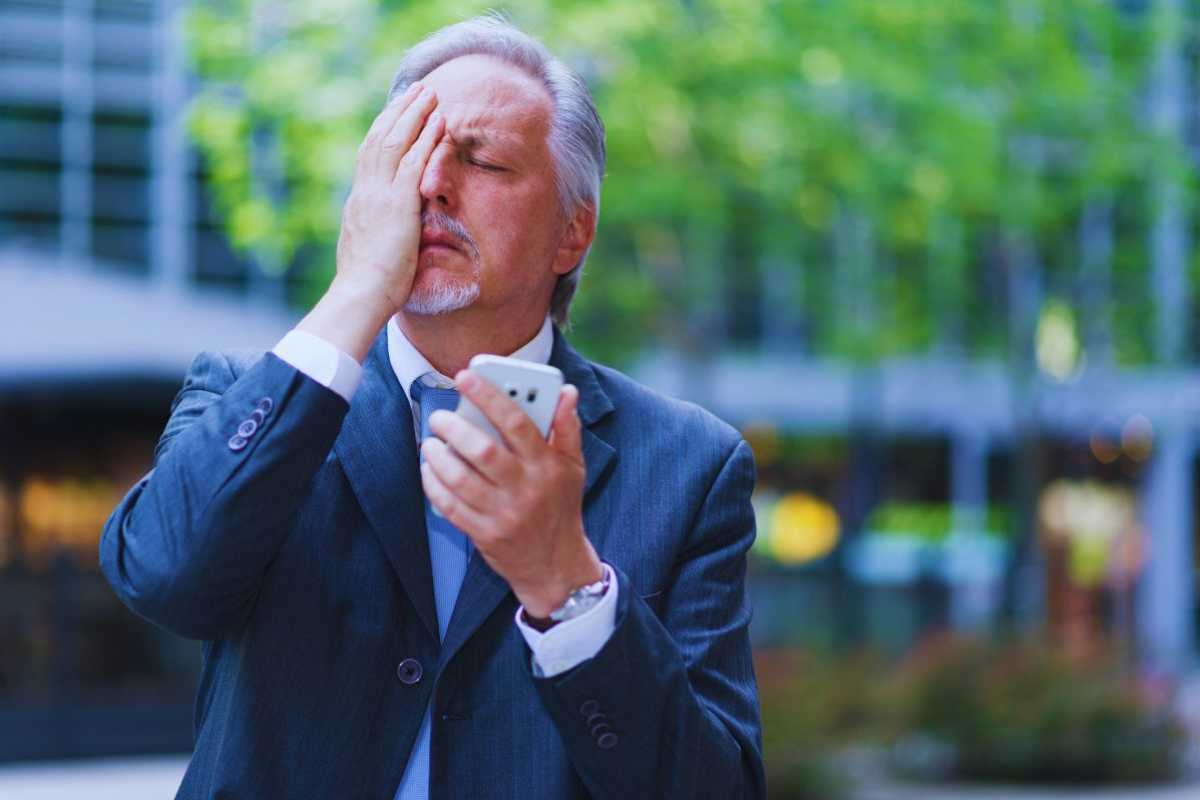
x,y
529,398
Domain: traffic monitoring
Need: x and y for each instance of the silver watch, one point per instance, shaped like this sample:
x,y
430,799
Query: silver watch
x,y
581,600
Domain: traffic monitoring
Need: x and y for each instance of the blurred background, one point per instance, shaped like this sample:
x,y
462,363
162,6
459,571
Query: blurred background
x,y
937,261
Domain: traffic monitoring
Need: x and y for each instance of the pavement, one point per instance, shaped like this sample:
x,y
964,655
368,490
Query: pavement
x,y
157,778
143,778
896,791
871,781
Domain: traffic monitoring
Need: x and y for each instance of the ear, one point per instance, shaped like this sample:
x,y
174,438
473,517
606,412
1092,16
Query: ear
x,y
578,236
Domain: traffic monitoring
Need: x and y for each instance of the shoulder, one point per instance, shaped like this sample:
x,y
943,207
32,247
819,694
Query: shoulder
x,y
671,422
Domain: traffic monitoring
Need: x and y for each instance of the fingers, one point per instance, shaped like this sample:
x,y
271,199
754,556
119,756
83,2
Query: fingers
x,y
565,435
518,430
405,131
466,519
456,475
483,453
412,165
368,152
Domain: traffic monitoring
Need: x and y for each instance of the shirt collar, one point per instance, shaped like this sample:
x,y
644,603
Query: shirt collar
x,y
409,364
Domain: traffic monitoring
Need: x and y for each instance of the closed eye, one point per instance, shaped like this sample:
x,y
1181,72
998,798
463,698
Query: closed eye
x,y
485,166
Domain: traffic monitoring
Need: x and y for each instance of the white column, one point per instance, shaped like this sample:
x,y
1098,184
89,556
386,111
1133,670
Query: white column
x,y
1166,591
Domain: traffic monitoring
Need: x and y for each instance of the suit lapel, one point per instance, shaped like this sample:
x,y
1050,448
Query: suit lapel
x,y
377,450
482,589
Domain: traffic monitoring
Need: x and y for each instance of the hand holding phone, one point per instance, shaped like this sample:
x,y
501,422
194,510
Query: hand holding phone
x,y
533,387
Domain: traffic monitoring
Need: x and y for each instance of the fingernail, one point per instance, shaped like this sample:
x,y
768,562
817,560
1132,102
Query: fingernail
x,y
465,379
414,87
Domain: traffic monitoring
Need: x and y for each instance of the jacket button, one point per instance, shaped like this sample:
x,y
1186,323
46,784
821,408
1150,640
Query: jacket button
x,y
607,741
236,443
589,707
409,671
247,428
265,405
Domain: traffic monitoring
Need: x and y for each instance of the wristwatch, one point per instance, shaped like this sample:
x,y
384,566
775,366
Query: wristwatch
x,y
578,602
581,600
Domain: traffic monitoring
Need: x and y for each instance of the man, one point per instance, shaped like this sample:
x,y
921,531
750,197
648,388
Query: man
x,y
560,617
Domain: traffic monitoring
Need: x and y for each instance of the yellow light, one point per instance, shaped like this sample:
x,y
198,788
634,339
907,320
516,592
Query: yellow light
x,y
803,528
64,515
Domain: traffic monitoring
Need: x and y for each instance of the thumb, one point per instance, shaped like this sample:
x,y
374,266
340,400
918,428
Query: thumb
x,y
565,429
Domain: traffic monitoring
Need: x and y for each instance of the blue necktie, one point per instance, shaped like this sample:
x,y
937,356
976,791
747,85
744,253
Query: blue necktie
x,y
449,551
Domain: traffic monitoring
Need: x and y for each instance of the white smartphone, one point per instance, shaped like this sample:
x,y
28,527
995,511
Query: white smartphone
x,y
533,387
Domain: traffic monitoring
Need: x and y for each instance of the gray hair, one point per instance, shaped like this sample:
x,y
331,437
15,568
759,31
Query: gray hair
x,y
576,137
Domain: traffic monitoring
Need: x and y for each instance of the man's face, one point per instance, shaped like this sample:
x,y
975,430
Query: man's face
x,y
492,227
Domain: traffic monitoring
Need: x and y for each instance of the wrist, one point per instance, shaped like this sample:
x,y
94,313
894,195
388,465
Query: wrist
x,y
349,316
369,298
541,601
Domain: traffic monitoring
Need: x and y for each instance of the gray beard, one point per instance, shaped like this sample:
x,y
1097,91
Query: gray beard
x,y
442,299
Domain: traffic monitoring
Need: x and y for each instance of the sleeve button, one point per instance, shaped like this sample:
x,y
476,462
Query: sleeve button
x,y
258,415
589,707
236,443
265,405
247,428
607,741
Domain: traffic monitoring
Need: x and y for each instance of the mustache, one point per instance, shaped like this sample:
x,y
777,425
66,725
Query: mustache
x,y
441,222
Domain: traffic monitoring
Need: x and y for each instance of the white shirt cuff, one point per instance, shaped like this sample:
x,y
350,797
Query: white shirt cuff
x,y
570,643
323,362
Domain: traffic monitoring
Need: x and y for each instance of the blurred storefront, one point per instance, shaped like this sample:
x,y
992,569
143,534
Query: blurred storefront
x,y
929,496
113,275
79,417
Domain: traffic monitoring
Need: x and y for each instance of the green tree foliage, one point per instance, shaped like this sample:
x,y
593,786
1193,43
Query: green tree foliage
x,y
848,176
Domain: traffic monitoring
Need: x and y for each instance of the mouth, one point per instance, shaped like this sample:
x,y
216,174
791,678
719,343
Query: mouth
x,y
433,241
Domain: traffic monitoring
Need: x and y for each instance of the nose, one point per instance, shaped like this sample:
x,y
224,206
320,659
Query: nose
x,y
437,180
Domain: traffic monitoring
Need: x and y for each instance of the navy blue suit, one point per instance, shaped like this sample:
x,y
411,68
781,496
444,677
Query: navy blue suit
x,y
300,557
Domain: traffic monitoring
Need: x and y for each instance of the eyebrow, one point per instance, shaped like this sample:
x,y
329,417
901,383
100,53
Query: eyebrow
x,y
474,138
470,139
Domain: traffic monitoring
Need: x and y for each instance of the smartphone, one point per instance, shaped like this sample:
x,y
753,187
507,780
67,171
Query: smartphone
x,y
533,387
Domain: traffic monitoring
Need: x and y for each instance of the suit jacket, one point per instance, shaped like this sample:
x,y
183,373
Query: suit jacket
x,y
299,556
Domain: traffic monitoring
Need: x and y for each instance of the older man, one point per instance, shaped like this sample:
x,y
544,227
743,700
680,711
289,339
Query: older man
x,y
394,604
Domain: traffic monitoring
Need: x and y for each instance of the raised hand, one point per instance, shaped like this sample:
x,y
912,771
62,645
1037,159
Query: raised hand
x,y
381,225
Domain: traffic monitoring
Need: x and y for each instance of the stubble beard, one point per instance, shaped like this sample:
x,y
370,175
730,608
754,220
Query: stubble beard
x,y
443,296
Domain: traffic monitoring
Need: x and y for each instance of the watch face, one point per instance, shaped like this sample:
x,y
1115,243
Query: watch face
x,y
575,605
581,600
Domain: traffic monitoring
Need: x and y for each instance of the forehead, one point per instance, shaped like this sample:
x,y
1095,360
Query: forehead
x,y
490,100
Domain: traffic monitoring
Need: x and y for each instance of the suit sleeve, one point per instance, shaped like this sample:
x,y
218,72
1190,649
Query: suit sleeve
x,y
670,708
188,545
